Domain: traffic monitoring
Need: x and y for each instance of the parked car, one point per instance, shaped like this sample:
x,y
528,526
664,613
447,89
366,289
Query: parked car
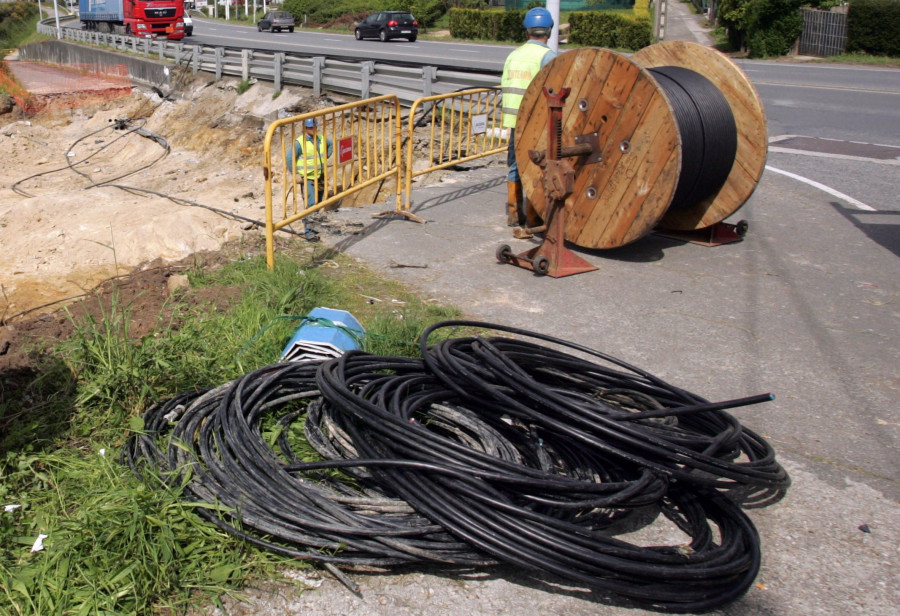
x,y
387,25
188,25
276,21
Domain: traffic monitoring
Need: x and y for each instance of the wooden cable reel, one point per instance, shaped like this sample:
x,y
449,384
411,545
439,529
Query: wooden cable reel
x,y
628,109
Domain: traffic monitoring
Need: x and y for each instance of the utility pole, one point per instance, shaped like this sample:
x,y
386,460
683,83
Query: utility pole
x,y
553,8
56,11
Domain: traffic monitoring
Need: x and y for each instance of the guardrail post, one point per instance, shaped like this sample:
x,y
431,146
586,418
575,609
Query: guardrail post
x,y
162,51
367,69
245,64
179,49
429,75
146,47
317,67
195,61
219,53
279,66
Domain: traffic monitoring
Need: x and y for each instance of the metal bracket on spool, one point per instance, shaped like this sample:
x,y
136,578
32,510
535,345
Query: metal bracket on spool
x,y
552,258
714,235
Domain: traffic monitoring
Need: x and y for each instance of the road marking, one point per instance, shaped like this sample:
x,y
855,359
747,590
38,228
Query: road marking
x,y
818,87
835,193
877,161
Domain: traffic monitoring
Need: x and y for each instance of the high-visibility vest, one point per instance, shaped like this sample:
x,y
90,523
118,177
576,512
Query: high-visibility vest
x,y
311,161
520,68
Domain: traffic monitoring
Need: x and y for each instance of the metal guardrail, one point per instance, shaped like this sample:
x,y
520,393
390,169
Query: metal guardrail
x,y
364,79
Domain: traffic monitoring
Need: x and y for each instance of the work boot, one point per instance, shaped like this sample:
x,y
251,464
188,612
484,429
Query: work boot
x,y
522,233
514,214
531,216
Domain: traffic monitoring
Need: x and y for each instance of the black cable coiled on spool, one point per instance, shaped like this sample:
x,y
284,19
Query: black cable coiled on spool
x,y
708,133
486,450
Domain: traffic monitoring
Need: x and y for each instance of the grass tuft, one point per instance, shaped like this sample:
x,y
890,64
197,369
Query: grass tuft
x,y
117,545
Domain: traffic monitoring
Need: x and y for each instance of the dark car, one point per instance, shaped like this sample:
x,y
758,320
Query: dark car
x,y
387,25
276,21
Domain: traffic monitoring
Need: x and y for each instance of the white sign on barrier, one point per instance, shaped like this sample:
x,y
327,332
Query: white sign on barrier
x,y
479,124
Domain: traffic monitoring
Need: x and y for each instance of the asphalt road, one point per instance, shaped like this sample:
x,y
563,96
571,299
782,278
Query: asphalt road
x,y
806,307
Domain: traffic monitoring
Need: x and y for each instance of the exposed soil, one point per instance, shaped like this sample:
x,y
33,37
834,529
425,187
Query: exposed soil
x,y
69,237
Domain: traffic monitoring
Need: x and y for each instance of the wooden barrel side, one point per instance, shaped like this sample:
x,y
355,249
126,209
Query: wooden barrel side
x,y
622,197
750,120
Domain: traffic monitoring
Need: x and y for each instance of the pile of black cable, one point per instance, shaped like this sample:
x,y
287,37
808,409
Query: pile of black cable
x,y
486,450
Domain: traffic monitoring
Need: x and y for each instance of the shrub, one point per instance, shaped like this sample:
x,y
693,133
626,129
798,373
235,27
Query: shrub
x,y
767,27
872,27
487,25
612,30
16,22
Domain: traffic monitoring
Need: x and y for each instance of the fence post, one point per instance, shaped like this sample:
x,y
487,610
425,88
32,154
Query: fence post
x,y
279,66
429,75
219,53
318,67
245,64
367,69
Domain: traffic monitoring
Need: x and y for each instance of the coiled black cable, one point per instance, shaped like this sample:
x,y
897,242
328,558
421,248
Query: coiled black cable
x,y
486,450
708,133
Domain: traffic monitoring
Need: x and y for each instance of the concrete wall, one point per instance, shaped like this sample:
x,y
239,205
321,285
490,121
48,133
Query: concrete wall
x,y
70,54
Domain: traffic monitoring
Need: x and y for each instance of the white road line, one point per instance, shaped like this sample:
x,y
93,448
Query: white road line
x,y
878,161
835,193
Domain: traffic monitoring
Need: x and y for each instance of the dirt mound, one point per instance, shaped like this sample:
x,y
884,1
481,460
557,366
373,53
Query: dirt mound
x,y
95,192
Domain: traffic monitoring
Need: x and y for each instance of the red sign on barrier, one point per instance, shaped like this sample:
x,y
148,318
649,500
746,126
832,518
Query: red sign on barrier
x,y
345,150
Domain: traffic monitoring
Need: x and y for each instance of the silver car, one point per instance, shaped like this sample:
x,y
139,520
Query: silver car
x,y
276,21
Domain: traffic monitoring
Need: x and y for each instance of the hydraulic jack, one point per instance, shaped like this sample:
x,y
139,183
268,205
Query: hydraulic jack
x,y
551,257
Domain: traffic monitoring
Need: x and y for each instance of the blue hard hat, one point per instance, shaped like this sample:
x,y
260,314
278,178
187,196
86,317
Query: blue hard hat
x,y
309,123
538,17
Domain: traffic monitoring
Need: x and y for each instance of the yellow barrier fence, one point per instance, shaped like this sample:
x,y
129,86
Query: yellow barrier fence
x,y
362,147
462,126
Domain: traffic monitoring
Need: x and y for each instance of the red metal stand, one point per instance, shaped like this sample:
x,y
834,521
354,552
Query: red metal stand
x,y
714,235
552,258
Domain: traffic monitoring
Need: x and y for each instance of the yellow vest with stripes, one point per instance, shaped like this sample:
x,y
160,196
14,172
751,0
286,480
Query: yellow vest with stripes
x,y
311,161
520,68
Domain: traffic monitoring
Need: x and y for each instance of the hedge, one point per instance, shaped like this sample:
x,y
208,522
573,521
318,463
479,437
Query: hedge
x,y
611,30
488,25
873,27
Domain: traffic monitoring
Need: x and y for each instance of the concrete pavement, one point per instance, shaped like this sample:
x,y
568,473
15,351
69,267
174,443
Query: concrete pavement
x,y
683,24
804,307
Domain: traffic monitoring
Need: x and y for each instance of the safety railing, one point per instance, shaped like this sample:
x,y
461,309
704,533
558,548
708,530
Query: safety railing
x,y
365,78
461,127
361,143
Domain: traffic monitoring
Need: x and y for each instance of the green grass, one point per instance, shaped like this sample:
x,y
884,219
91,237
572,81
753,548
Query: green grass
x,y
16,32
862,58
116,545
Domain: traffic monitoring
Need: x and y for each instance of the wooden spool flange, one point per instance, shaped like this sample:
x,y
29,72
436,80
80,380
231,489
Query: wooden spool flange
x,y
616,103
749,119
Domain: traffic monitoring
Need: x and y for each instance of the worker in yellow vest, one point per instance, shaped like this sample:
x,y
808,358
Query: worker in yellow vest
x,y
520,68
309,156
